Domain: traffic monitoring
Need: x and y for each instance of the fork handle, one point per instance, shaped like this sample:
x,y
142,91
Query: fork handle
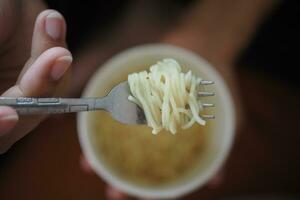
x,y
28,105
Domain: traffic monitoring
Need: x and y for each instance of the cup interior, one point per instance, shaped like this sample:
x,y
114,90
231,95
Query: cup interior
x,y
222,133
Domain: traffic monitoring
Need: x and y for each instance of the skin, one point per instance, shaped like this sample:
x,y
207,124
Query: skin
x,y
40,68
43,64
217,32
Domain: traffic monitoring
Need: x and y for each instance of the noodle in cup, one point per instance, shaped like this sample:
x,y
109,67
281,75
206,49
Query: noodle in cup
x,y
102,141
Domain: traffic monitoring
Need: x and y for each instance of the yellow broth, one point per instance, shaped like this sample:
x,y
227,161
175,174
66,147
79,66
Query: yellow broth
x,y
136,155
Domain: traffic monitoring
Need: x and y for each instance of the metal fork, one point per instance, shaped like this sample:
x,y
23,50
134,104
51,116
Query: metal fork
x,y
116,102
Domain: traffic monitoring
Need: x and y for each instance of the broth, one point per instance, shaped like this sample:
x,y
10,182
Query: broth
x,y
135,155
138,156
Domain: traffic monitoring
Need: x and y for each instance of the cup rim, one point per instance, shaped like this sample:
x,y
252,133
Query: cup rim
x,y
182,189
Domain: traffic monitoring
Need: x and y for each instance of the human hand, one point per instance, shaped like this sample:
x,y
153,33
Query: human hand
x,y
218,33
112,193
44,72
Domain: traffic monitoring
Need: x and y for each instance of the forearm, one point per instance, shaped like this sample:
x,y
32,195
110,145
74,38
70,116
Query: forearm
x,y
219,30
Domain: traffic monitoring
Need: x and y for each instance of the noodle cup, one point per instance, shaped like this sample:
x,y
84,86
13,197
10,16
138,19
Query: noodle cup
x,y
222,133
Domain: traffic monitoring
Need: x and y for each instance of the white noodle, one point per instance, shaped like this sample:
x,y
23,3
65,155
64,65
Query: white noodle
x,y
167,95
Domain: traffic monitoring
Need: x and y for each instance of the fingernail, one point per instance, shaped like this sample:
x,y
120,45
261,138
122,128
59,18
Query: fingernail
x,y
54,25
60,66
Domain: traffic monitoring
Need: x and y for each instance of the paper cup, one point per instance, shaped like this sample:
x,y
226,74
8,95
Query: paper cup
x,y
219,143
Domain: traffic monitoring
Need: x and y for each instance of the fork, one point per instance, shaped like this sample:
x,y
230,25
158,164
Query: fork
x,y
116,102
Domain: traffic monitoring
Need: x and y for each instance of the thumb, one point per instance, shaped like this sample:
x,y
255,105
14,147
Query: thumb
x,y
8,120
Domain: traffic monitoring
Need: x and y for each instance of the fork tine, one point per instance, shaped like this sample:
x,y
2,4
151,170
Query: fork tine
x,y
206,82
206,105
208,117
206,94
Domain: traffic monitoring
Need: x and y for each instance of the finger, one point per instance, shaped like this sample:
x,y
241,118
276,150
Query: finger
x,y
217,180
114,194
40,79
43,76
8,119
111,192
85,166
49,31
42,73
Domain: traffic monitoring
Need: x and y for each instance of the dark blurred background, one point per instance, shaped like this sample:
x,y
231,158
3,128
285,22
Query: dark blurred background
x,y
273,50
265,157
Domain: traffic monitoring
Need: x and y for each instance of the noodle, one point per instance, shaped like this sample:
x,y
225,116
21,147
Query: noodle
x,y
167,95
